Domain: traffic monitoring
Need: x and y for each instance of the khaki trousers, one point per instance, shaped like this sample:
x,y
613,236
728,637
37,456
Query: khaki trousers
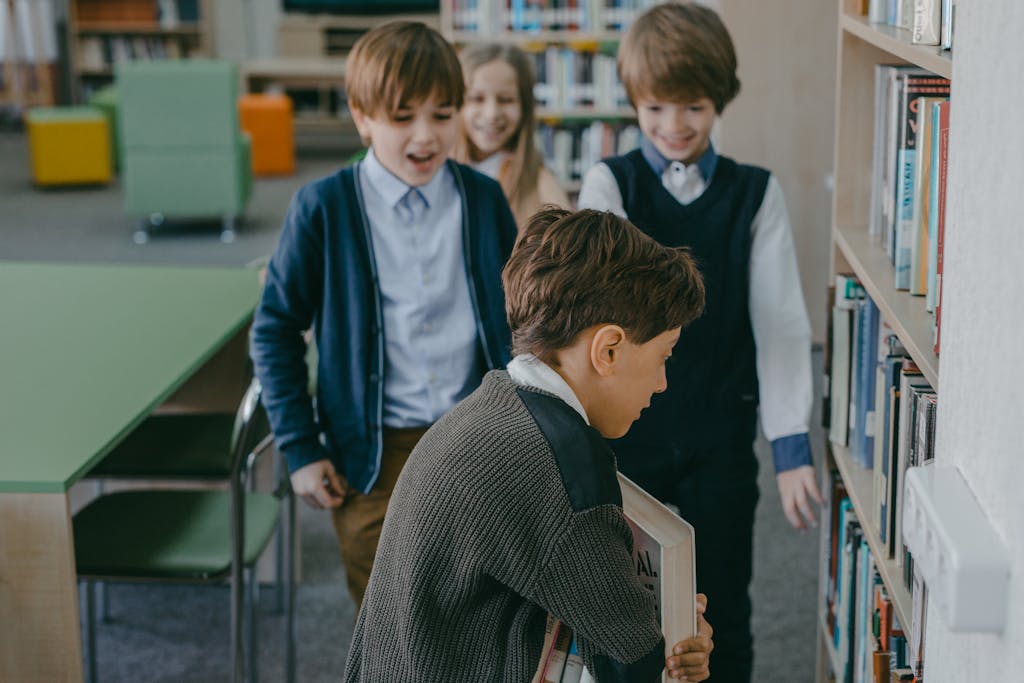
x,y
359,520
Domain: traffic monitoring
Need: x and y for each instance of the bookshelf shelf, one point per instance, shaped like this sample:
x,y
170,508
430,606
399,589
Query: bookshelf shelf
x,y
522,38
587,113
859,486
96,41
147,29
896,42
905,313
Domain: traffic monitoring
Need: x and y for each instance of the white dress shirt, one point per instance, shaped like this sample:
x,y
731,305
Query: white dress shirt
x,y
430,333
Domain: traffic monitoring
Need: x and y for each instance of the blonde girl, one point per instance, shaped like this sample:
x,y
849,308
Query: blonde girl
x,y
498,123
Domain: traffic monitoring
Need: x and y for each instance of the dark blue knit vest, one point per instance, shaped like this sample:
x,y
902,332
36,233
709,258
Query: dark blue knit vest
x,y
711,401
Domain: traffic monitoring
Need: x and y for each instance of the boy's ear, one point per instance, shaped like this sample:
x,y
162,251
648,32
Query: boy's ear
x,y
359,118
606,348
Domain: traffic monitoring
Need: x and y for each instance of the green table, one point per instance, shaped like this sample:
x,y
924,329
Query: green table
x,y
86,353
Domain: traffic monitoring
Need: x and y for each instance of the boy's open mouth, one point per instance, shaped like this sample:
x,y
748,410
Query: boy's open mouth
x,y
420,158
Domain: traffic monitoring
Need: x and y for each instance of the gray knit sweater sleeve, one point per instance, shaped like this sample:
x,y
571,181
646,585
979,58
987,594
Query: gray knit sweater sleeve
x,y
507,509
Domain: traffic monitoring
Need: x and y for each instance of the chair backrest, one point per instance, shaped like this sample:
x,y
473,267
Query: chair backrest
x,y
178,103
251,425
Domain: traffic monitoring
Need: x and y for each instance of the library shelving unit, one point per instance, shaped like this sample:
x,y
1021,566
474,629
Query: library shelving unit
x,y
104,32
862,45
310,64
589,31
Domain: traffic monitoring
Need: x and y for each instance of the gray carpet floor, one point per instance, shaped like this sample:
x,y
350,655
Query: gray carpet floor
x,y
164,634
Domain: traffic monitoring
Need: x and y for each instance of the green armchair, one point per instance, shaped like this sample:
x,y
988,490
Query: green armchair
x,y
184,154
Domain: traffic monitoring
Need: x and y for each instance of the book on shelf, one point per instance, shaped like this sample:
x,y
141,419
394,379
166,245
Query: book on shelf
x,y
943,113
913,88
847,292
489,17
925,168
927,27
572,147
948,23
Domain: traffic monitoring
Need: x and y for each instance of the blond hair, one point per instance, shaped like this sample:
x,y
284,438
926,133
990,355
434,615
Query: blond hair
x,y
402,63
520,174
679,52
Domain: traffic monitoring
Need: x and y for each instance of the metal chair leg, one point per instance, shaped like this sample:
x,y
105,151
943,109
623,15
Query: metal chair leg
x,y
227,231
289,587
280,550
87,595
252,626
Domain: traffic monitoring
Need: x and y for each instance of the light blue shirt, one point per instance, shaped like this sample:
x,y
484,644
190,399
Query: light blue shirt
x,y
430,336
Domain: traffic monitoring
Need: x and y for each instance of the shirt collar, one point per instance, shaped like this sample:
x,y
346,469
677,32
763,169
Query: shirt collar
x,y
392,188
658,163
528,370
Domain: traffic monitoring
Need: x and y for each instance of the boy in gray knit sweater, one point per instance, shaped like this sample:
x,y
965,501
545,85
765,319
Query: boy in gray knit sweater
x,y
509,508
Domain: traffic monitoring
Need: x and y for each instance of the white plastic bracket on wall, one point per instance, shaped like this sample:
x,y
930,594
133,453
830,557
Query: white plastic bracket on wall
x,y
963,561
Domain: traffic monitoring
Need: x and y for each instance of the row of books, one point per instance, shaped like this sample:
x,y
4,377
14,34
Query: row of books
x,y
100,53
571,149
163,13
908,191
28,53
568,78
929,21
880,406
868,642
499,16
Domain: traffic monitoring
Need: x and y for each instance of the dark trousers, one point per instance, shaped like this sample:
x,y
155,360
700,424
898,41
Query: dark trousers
x,y
715,491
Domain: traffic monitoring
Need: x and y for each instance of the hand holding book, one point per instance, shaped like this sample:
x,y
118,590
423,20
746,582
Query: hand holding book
x,y
689,657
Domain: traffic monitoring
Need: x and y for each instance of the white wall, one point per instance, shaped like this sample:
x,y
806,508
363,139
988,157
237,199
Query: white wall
x,y
784,117
980,367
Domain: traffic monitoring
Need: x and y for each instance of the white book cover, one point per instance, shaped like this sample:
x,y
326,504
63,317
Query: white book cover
x,y
664,552
927,22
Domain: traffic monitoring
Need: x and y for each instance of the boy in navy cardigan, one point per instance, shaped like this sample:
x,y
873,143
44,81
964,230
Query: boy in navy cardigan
x,y
693,446
395,264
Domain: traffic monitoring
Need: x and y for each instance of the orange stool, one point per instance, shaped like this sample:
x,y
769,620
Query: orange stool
x,y
268,121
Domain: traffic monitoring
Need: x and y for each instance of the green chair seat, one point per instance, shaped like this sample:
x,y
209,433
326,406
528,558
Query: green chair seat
x,y
173,446
168,534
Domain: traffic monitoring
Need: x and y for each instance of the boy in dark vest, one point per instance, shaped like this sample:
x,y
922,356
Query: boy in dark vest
x,y
694,446
509,507
395,263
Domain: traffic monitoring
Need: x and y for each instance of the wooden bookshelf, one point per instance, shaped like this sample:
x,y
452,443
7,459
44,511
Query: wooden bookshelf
x,y
128,30
860,488
862,45
905,313
827,644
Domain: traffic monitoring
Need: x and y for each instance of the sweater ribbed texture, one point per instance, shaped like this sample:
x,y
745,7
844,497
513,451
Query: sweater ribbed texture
x,y
481,540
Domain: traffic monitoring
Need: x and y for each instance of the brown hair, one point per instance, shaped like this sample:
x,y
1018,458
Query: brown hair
x,y
679,52
520,174
571,271
402,63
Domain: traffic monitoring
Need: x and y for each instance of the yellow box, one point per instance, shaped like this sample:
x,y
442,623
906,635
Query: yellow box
x,y
69,145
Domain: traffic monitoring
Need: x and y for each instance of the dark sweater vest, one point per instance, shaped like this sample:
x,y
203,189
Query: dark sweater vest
x,y
712,381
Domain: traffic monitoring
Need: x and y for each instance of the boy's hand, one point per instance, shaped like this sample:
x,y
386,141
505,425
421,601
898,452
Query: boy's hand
x,y
689,660
795,487
319,485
